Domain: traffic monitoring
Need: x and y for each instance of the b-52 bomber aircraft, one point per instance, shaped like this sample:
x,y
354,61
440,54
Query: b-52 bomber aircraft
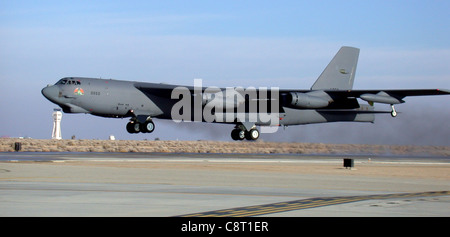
x,y
330,99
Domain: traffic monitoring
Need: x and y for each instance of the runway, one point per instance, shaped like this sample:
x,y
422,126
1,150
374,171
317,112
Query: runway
x,y
307,203
168,185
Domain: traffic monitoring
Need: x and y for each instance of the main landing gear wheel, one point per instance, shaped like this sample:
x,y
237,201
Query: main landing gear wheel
x,y
253,134
133,127
239,134
147,127
136,127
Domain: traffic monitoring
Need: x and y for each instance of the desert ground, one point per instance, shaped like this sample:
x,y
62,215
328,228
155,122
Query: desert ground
x,y
170,178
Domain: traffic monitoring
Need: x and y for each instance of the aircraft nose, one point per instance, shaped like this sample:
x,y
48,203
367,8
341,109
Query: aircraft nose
x,y
50,92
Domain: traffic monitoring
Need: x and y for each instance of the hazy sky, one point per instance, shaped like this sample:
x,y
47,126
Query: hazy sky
x,y
404,44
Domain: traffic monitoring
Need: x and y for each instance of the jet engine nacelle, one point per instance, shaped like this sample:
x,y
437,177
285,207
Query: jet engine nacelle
x,y
381,97
305,101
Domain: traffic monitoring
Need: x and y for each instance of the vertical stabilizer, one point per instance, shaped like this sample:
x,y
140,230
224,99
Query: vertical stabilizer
x,y
340,72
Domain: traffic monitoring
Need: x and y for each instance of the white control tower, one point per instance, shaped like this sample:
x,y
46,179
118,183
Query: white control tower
x,y
57,116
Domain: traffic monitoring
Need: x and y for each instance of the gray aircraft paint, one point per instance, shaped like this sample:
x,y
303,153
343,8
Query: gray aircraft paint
x,y
331,99
340,72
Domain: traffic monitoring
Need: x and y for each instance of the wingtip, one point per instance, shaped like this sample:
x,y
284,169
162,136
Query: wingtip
x,y
446,91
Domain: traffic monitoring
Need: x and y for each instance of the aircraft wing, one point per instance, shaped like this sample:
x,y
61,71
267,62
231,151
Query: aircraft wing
x,y
154,89
397,93
340,99
386,96
347,99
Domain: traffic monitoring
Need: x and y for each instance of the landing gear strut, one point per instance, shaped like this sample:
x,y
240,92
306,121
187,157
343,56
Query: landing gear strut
x,y
136,127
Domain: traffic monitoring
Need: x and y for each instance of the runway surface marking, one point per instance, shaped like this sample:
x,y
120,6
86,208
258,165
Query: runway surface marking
x,y
304,204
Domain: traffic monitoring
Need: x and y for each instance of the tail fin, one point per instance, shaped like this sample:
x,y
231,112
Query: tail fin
x,y
340,72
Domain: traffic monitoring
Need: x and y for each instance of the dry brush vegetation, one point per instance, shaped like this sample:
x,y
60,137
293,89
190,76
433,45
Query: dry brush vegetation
x,y
260,147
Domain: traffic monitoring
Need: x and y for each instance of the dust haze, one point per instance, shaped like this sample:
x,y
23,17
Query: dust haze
x,y
418,123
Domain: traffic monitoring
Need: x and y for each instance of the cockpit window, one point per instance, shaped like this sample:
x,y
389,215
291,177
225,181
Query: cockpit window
x,y
62,82
66,81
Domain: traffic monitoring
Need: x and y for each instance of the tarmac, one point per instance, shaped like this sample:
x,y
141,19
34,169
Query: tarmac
x,y
70,184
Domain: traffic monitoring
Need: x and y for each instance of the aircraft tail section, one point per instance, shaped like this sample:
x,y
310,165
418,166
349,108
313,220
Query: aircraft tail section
x,y
340,72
